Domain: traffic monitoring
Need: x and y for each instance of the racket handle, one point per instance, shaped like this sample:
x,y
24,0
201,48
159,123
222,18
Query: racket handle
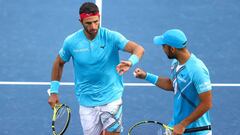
x,y
198,129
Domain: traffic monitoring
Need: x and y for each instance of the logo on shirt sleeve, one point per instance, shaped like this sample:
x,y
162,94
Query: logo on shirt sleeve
x,y
205,85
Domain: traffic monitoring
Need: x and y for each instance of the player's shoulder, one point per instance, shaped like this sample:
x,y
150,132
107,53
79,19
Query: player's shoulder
x,y
107,32
195,64
104,29
74,36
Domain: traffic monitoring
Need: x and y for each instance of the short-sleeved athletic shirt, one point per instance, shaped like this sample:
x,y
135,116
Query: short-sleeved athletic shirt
x,y
96,79
189,81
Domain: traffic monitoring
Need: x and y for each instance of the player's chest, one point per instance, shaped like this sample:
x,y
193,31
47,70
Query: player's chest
x,y
181,80
91,52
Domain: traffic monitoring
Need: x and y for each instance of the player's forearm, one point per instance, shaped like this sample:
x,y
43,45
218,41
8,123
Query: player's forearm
x,y
161,82
202,108
135,49
56,75
138,51
164,83
57,70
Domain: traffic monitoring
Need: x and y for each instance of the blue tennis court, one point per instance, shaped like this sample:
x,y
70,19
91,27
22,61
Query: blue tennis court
x,y
33,31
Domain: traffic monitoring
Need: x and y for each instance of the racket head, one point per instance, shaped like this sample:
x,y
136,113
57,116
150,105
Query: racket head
x,y
61,118
149,128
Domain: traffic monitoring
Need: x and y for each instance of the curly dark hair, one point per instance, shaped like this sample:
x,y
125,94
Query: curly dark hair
x,y
88,7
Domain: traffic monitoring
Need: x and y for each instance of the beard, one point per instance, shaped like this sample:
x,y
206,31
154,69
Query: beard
x,y
169,53
171,56
91,32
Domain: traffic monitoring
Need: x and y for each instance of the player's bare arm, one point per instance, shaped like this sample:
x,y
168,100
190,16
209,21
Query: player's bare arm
x,y
56,75
164,83
137,52
203,107
134,48
57,68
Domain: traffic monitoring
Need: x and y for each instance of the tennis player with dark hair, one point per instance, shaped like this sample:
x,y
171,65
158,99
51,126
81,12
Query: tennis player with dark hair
x,y
189,80
98,72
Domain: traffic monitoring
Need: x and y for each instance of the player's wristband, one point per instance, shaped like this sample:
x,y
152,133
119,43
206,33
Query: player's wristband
x,y
134,59
151,78
54,86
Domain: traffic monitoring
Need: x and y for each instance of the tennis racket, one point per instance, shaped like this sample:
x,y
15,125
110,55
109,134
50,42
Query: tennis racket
x,y
61,118
158,128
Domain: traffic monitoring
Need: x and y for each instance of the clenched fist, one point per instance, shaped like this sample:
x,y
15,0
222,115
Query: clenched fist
x,y
139,73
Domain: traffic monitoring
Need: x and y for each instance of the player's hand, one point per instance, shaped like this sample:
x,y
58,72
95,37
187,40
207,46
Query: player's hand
x,y
53,99
139,73
123,67
178,129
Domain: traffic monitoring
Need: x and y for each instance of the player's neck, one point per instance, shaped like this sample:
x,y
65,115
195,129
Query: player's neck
x,y
183,56
90,36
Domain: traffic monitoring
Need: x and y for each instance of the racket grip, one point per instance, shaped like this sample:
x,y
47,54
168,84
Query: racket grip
x,y
198,129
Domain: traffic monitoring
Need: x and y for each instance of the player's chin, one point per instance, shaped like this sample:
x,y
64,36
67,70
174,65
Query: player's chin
x,y
93,32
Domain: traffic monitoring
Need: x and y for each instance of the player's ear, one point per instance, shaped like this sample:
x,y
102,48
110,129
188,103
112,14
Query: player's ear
x,y
172,49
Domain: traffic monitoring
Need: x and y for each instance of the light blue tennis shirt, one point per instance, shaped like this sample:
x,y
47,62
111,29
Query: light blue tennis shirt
x,y
96,79
189,81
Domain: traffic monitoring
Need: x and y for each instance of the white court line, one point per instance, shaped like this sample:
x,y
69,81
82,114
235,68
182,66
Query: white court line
x,y
125,84
99,4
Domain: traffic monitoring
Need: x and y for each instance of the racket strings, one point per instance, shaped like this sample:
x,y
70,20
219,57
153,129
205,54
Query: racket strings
x,y
62,117
148,129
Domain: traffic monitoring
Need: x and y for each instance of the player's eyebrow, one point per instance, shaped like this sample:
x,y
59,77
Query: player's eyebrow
x,y
90,22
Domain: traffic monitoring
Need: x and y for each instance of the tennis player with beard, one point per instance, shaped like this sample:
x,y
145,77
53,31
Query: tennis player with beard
x,y
98,72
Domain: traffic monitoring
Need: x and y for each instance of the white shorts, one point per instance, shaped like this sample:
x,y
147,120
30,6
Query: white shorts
x,y
96,119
